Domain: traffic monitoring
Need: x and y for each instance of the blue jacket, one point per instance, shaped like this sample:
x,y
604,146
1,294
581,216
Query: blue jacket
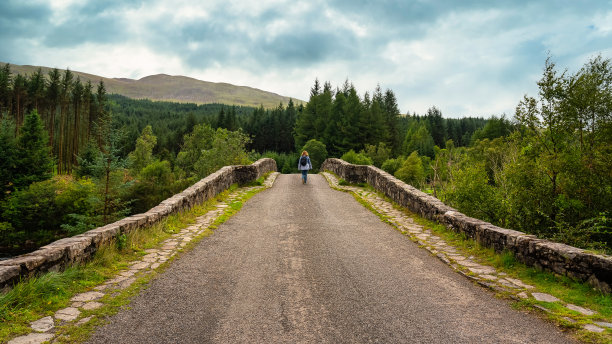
x,y
306,167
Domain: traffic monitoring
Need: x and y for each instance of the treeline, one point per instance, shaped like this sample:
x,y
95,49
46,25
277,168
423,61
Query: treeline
x,y
269,129
548,171
170,121
344,121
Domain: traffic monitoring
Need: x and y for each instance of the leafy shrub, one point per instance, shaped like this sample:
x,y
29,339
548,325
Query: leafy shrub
x,y
392,165
155,182
378,154
412,171
356,158
285,162
317,152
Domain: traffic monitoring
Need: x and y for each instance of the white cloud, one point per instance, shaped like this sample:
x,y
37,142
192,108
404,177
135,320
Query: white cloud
x,y
466,59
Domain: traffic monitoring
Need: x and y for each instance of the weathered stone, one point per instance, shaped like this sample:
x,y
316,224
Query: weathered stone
x,y
593,328
154,266
88,296
84,320
581,310
468,263
482,270
43,325
522,295
519,283
544,297
126,283
140,266
569,320
116,280
32,338
508,284
128,273
603,324
92,305
8,273
67,314
31,261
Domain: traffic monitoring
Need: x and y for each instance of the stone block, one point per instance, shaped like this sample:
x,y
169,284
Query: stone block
x,y
32,338
43,325
67,314
544,297
28,262
87,296
9,273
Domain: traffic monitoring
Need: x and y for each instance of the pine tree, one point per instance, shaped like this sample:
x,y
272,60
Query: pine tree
x,y
108,162
5,89
19,97
436,126
77,100
221,121
305,122
34,158
333,139
391,111
353,111
143,153
65,92
53,98
36,91
88,101
9,162
101,114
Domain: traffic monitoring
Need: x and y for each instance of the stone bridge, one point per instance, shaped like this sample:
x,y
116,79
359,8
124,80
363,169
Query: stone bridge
x,y
558,258
306,263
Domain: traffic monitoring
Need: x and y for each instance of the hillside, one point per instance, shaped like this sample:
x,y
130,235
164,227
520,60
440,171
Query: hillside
x,y
176,88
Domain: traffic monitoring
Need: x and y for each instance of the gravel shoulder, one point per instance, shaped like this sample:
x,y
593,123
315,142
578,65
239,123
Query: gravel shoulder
x,y
306,263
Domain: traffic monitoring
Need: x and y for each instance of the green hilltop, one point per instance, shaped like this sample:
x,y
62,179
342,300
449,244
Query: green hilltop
x,y
182,89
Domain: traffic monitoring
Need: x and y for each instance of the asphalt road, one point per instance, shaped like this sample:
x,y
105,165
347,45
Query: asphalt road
x,y
308,264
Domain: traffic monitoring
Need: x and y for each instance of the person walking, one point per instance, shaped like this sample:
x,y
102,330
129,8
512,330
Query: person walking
x,y
304,165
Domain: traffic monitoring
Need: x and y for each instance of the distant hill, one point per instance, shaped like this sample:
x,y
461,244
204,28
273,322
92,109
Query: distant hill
x,y
176,89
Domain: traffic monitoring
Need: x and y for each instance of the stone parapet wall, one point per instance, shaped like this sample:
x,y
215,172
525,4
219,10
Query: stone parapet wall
x,y
555,257
68,251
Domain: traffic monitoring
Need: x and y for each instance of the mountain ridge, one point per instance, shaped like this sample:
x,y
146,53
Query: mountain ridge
x,y
174,88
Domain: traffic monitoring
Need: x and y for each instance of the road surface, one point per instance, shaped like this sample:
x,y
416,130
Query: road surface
x,y
308,264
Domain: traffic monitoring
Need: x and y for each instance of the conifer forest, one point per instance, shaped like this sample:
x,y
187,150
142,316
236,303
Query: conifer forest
x,y
74,157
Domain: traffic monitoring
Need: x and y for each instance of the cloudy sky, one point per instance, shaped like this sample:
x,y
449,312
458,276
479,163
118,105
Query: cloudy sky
x,y
464,57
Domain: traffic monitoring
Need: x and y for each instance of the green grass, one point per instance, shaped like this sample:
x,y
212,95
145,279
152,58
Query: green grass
x,y
40,296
